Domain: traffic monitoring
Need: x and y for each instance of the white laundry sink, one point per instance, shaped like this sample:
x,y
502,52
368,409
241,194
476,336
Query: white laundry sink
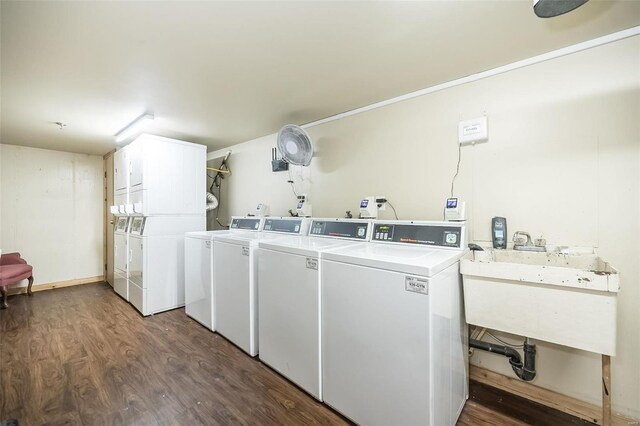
x,y
562,296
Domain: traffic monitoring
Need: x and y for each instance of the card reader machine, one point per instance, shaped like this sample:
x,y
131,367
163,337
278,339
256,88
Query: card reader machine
x,y
454,210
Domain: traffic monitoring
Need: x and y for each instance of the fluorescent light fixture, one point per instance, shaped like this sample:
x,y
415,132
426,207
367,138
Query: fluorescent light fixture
x,y
134,127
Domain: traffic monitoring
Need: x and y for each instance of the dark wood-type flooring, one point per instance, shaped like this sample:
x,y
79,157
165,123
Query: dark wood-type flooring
x,y
82,355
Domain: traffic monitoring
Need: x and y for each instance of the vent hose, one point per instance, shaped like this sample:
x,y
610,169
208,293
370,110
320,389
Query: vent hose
x,y
212,202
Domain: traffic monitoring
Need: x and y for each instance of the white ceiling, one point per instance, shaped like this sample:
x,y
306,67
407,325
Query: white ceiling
x,y
223,73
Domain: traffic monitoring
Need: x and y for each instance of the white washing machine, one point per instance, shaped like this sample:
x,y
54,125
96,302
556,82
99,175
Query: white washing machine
x,y
235,279
394,337
121,257
289,298
198,271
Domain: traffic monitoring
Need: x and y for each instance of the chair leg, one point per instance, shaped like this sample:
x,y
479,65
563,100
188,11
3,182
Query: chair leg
x,y
29,292
4,304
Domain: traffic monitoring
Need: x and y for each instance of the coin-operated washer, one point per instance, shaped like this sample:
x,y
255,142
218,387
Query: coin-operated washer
x,y
235,280
289,298
394,347
198,268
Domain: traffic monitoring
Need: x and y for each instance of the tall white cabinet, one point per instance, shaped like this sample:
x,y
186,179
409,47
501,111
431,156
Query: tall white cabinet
x,y
160,186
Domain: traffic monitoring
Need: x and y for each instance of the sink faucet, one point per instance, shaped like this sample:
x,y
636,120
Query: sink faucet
x,y
526,234
528,245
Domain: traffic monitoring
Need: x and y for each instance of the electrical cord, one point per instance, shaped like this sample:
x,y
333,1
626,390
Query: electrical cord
x,y
457,168
502,341
217,183
290,181
218,209
394,210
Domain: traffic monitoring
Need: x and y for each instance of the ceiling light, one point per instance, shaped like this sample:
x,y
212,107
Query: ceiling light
x,y
134,127
551,8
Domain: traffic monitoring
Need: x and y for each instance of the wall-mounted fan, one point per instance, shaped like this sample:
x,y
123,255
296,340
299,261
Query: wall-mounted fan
x,y
295,145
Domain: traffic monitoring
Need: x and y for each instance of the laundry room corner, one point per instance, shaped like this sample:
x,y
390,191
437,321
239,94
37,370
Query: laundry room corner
x,y
52,213
563,150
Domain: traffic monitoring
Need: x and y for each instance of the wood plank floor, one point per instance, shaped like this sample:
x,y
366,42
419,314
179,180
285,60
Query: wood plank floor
x,y
82,355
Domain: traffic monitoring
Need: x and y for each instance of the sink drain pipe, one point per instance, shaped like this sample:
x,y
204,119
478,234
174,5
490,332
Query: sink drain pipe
x,y
526,371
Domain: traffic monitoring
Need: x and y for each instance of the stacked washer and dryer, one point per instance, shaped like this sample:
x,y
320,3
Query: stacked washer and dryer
x,y
158,190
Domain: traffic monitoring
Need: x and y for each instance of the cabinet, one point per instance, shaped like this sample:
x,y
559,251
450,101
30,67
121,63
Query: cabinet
x,y
120,170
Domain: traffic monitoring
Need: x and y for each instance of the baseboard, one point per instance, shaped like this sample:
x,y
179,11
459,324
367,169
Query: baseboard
x,y
566,404
58,284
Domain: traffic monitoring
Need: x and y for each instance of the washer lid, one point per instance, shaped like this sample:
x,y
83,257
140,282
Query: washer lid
x,y
306,246
205,235
247,238
400,258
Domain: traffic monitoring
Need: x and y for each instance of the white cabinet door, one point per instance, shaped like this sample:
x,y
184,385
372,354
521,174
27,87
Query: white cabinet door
x,y
120,169
136,163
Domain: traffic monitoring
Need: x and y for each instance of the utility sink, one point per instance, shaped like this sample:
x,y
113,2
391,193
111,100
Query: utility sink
x,y
562,296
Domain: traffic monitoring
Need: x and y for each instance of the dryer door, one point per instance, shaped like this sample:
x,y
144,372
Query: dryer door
x,y
135,260
120,253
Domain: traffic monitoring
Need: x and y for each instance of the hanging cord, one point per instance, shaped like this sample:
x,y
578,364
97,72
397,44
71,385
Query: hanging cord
x,y
394,209
218,209
290,181
457,168
503,342
217,183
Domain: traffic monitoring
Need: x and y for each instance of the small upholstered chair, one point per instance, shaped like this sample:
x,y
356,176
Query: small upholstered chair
x,y
13,269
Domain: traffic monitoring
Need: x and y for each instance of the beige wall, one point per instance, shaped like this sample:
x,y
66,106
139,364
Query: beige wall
x,y
52,211
563,161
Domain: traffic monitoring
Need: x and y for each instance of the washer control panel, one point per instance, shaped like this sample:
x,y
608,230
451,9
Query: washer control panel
x,y
444,235
288,226
356,230
249,224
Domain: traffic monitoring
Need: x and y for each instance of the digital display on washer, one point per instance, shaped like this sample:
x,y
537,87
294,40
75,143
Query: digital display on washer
x,y
250,224
121,226
137,226
342,229
428,235
283,225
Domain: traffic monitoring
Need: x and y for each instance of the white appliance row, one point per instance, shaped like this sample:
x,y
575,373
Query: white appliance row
x,y
364,315
221,267
159,195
